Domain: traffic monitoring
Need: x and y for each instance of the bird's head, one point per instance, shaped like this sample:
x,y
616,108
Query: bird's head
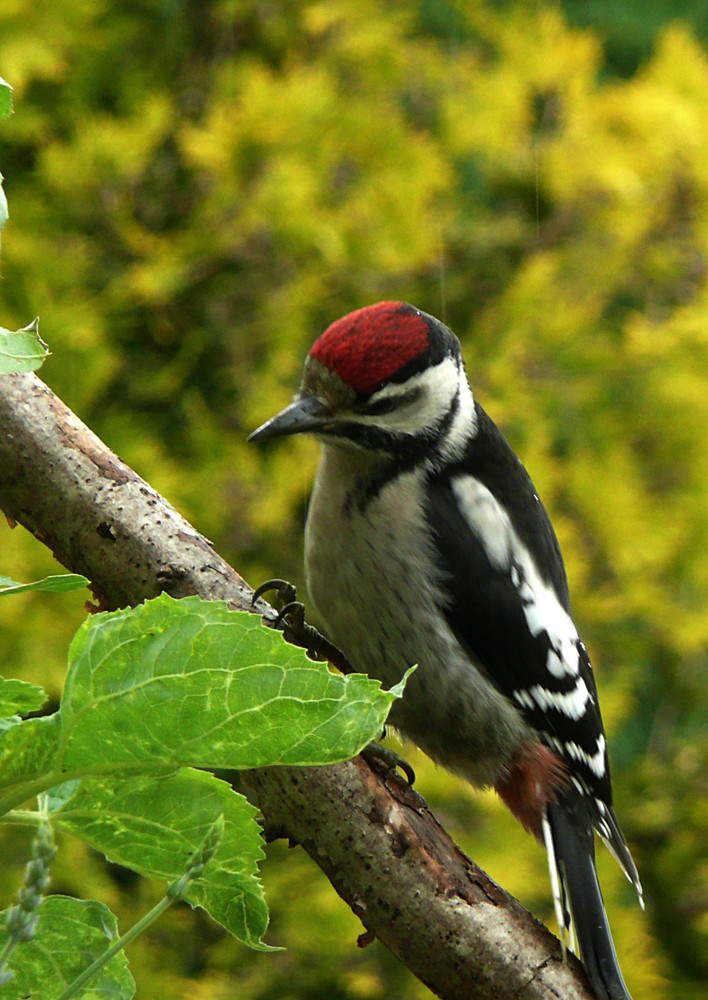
x,y
380,378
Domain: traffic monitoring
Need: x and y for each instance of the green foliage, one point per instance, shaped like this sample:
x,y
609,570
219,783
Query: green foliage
x,y
21,920
5,99
57,583
152,693
151,824
21,350
70,933
629,29
188,683
19,698
200,191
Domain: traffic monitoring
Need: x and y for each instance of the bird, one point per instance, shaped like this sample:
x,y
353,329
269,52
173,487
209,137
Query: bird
x,y
426,544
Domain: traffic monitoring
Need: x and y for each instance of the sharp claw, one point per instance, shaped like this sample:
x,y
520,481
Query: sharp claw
x,y
289,609
286,591
297,630
408,771
390,759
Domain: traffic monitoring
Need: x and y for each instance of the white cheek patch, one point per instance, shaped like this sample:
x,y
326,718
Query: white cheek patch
x,y
438,386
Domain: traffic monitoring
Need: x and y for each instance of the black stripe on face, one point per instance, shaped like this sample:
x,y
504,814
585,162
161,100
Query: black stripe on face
x,y
402,452
387,404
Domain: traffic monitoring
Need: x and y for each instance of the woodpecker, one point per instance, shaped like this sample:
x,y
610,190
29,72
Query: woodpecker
x,y
426,543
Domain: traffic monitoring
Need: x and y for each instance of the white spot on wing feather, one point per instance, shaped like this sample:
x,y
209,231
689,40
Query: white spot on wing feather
x,y
524,698
570,703
595,761
556,665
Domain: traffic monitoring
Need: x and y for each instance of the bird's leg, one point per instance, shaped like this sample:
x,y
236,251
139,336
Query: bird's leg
x,y
296,630
291,618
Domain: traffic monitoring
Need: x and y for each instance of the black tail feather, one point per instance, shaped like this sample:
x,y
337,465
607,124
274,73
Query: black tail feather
x,y
574,848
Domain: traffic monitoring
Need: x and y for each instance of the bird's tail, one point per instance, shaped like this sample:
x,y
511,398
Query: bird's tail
x,y
570,844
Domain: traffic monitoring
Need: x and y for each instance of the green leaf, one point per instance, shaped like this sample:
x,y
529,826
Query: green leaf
x,y
22,350
58,584
71,933
18,697
5,99
191,682
28,749
154,825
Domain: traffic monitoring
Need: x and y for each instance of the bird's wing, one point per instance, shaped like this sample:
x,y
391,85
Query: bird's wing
x,y
513,623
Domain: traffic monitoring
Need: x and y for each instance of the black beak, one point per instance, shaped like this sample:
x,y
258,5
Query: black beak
x,y
308,413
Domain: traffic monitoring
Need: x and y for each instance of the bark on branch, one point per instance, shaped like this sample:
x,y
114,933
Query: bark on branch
x,y
374,837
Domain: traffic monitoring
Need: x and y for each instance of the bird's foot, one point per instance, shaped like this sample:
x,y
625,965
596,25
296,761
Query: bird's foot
x,y
375,754
291,618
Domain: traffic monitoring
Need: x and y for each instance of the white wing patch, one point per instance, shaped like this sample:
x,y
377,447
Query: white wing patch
x,y
487,519
505,550
543,612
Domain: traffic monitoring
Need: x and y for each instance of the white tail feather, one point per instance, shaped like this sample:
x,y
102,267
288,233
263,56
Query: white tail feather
x,y
634,879
565,923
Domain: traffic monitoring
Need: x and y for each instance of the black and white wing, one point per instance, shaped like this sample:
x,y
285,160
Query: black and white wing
x,y
507,603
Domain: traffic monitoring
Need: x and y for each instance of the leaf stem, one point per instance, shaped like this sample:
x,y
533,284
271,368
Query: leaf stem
x,y
21,791
28,789
175,891
117,946
23,817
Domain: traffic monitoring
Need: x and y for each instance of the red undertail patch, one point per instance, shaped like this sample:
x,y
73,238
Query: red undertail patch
x,y
535,777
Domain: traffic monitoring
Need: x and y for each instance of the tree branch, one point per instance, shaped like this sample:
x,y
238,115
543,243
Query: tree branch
x,y
372,835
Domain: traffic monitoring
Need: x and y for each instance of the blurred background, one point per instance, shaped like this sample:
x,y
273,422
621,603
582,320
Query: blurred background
x,y
197,188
